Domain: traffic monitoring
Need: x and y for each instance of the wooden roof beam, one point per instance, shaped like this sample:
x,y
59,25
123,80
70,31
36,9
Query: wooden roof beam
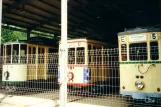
x,y
83,8
14,5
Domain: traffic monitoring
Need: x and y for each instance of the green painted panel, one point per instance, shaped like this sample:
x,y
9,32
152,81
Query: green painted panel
x,y
147,62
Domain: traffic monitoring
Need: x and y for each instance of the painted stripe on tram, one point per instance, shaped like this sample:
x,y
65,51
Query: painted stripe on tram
x,y
144,62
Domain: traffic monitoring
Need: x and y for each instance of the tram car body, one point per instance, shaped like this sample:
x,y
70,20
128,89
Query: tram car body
x,y
27,60
86,64
140,63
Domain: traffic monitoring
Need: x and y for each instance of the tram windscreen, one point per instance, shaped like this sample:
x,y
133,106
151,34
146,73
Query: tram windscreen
x,y
154,51
71,55
15,53
123,52
8,53
80,55
23,52
138,51
8,50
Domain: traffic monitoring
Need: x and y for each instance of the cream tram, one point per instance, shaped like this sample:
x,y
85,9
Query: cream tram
x,y
85,63
27,60
140,63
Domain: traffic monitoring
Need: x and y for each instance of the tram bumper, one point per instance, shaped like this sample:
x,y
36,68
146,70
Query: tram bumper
x,y
140,95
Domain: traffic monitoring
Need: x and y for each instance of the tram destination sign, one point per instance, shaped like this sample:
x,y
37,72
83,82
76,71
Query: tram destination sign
x,y
137,37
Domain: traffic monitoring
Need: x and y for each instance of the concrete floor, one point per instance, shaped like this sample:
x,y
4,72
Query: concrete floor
x,y
51,99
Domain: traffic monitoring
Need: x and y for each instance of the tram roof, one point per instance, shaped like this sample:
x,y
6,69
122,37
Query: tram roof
x,y
139,30
85,40
36,41
89,40
15,42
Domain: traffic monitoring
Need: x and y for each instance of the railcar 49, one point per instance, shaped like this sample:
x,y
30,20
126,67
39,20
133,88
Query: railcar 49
x,y
87,63
140,63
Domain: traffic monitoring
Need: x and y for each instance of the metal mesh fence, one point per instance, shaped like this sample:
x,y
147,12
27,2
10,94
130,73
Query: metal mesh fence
x,y
96,77
31,75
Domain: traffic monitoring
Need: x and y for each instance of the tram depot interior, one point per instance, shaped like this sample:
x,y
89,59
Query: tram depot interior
x,y
96,19
100,20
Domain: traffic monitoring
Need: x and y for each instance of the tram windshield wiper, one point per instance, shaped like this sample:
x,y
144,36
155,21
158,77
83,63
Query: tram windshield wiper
x,y
137,55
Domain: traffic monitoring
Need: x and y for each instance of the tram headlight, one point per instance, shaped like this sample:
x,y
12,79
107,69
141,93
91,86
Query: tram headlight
x,y
139,85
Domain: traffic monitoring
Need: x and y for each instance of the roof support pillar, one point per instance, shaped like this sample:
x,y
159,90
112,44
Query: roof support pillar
x,y
63,55
160,13
28,33
0,26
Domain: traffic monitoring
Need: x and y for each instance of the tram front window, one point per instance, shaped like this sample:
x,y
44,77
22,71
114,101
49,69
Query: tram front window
x,y
138,51
154,51
8,53
71,55
80,55
123,52
15,53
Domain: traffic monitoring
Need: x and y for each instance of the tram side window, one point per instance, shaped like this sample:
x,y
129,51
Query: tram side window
x,y
154,51
99,55
71,55
89,54
51,50
123,52
15,53
40,50
94,55
40,55
32,55
29,55
138,51
80,55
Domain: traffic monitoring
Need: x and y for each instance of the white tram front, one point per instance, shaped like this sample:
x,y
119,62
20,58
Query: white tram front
x,y
27,61
14,65
85,62
140,63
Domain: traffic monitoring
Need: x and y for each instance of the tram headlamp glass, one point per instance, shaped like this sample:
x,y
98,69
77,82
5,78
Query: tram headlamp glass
x,y
139,85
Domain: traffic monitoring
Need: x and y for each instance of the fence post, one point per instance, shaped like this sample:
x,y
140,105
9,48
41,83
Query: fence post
x,y
64,55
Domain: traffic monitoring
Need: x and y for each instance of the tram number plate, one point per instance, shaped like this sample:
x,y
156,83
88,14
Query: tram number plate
x,y
153,36
137,37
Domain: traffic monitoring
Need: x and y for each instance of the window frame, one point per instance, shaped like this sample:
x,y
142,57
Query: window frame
x,y
140,59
